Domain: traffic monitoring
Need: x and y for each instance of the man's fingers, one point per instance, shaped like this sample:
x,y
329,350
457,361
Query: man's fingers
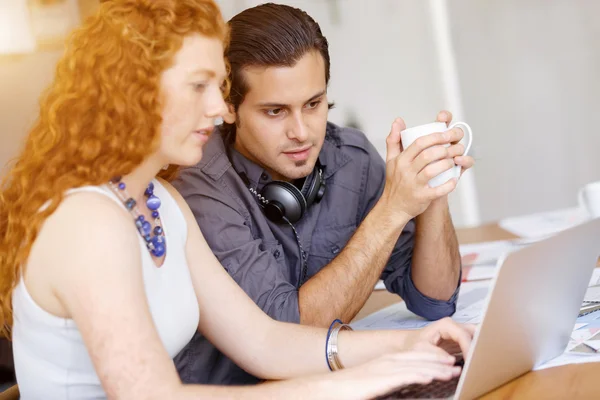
x,y
465,162
393,140
435,168
425,142
442,190
456,135
456,150
444,116
428,156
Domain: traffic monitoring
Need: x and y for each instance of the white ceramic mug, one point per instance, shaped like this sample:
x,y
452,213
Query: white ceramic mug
x,y
589,199
408,136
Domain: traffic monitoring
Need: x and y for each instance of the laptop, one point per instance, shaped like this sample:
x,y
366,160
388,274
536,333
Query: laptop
x,y
529,316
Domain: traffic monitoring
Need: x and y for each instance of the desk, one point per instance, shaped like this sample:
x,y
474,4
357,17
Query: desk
x,y
579,381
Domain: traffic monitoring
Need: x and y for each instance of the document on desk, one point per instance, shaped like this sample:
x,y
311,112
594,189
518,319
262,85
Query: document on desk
x,y
544,224
584,347
592,295
480,260
469,309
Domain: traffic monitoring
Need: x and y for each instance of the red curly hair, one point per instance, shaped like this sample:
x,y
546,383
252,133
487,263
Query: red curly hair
x,y
99,118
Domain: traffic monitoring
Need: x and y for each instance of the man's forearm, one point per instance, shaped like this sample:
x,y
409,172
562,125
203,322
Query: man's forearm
x,y
341,288
436,260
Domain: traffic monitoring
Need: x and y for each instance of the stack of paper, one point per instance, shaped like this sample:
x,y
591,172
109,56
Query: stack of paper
x,y
544,224
479,260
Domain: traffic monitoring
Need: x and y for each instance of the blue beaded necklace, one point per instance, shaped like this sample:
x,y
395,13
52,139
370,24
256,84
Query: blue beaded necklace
x,y
154,238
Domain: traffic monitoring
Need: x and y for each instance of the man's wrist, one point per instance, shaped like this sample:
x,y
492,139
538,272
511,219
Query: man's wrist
x,y
436,207
388,213
440,203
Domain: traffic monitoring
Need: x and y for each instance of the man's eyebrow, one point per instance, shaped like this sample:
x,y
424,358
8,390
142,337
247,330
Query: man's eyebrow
x,y
281,105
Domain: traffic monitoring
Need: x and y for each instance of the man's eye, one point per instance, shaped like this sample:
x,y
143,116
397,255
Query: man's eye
x,y
274,112
314,104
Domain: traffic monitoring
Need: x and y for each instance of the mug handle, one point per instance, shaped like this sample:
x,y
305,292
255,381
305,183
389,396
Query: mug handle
x,y
468,138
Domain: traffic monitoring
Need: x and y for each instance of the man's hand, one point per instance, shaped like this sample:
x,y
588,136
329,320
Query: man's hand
x,y
456,150
446,334
407,192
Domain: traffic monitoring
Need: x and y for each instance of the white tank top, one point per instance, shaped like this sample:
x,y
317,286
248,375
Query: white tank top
x,y
51,360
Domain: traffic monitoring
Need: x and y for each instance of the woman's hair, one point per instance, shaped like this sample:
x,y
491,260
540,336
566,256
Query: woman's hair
x,y
99,118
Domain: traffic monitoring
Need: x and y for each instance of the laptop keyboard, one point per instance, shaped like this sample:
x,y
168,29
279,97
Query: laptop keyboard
x,y
433,390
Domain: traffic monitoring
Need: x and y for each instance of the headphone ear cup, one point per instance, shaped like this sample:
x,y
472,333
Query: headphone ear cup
x,y
285,200
314,187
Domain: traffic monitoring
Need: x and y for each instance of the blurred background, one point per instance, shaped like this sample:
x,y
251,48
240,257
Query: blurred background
x,y
525,74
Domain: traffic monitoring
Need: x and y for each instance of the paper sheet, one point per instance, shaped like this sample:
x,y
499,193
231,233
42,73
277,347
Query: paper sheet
x,y
595,279
488,253
468,309
569,358
544,224
592,295
479,260
583,347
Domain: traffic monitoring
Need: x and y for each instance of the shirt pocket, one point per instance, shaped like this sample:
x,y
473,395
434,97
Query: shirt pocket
x,y
326,244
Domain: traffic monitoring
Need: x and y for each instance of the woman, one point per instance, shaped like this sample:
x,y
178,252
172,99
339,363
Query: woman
x,y
103,266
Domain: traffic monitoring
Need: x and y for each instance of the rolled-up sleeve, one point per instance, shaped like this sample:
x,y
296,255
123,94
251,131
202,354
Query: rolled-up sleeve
x,y
256,266
398,279
397,273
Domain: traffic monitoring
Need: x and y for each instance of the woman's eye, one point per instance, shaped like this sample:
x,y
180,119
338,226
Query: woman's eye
x,y
199,86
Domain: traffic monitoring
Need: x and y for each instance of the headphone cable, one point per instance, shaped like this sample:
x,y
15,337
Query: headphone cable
x,y
303,257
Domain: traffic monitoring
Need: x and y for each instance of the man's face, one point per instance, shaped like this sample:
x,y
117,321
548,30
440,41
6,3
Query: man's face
x,y
282,120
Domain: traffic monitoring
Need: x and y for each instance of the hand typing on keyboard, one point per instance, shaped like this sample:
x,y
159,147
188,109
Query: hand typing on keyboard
x,y
446,334
386,373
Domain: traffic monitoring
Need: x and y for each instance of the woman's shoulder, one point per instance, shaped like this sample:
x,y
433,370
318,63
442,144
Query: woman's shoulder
x,y
88,235
88,221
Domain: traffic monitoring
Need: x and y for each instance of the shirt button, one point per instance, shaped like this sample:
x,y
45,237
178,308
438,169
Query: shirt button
x,y
276,254
264,176
335,249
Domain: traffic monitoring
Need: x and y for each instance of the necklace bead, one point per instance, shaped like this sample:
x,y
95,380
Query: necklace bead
x,y
154,237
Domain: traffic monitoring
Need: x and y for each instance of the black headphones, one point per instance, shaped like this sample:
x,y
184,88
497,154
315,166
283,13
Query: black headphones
x,y
280,199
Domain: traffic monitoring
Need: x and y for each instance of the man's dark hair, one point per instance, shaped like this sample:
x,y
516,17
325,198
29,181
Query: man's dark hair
x,y
270,35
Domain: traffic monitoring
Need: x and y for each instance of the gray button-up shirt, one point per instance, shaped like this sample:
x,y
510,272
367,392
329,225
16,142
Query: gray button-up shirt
x,y
263,256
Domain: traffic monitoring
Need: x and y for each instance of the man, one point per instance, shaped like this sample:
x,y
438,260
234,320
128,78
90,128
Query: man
x,y
374,220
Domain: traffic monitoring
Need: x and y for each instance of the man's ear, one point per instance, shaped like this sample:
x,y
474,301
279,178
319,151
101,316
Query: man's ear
x,y
229,117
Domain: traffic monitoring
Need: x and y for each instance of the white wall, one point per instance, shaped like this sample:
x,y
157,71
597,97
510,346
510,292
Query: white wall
x,y
530,74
